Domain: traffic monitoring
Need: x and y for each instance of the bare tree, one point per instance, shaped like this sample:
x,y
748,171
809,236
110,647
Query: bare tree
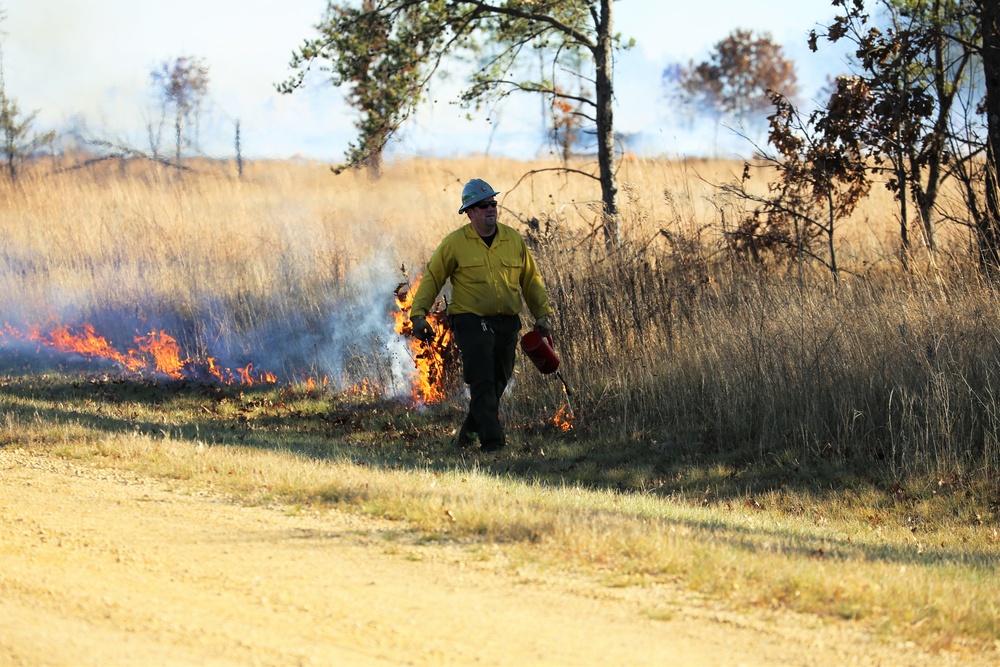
x,y
17,139
183,85
238,144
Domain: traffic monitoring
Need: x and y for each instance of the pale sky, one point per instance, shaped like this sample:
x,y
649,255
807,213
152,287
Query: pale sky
x,y
91,59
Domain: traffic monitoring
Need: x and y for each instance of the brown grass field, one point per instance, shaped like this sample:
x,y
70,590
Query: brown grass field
x,y
757,431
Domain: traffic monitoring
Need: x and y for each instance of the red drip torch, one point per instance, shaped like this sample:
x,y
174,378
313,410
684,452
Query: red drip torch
x,y
539,349
541,352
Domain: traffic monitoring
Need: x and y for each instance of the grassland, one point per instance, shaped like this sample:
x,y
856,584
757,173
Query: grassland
x,y
756,432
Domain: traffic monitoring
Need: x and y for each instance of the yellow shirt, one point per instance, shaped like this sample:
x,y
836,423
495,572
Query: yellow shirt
x,y
485,280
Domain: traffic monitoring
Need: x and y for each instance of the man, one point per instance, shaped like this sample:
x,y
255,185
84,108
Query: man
x,y
490,267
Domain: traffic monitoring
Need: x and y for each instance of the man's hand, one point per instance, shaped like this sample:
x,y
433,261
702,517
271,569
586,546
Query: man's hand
x,y
544,325
421,330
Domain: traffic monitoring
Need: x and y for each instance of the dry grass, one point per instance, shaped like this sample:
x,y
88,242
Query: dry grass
x,y
756,432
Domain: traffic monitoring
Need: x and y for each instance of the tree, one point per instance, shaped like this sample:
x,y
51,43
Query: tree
x,y
238,145
565,131
18,140
915,70
380,74
990,226
183,85
822,176
946,120
737,76
386,52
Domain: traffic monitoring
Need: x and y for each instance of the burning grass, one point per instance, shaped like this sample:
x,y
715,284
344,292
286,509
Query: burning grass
x,y
155,353
436,362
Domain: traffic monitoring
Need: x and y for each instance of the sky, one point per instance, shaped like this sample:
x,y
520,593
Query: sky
x,y
87,63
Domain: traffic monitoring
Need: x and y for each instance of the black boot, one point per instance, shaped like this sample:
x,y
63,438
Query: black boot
x,y
495,446
465,433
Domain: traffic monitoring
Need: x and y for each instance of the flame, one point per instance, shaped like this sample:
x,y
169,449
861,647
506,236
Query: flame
x,y
564,419
429,358
214,370
155,352
363,388
87,343
263,377
165,351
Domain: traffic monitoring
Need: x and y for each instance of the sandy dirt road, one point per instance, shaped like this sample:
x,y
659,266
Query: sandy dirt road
x,y
101,567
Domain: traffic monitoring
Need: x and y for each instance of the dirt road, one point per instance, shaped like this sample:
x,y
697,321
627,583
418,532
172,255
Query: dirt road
x,y
101,567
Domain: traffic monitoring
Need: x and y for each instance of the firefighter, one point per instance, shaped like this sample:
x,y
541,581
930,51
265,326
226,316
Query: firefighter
x,y
490,268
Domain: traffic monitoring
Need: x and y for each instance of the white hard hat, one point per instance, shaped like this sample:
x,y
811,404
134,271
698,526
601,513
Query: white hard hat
x,y
474,192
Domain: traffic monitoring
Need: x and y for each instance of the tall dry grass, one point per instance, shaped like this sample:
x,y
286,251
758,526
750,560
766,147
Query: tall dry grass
x,y
684,347
673,345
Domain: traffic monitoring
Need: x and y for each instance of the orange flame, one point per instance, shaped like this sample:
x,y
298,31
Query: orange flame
x,y
215,371
363,388
165,351
87,343
263,377
429,358
156,351
564,419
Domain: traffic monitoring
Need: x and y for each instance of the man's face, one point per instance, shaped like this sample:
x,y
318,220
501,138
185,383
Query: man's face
x,y
484,216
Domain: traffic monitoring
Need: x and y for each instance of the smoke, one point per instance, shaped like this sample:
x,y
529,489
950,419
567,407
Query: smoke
x,y
344,340
359,341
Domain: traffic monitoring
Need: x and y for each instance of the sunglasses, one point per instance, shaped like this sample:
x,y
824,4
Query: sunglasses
x,y
485,204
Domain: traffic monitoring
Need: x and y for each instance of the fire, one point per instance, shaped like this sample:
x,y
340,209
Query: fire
x,y
155,352
564,419
86,342
165,351
247,377
363,388
311,384
434,359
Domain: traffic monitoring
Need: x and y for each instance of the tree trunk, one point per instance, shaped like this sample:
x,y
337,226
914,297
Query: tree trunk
x,y
605,127
11,150
177,136
904,213
239,152
989,228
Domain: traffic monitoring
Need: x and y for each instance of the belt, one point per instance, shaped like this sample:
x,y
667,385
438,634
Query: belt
x,y
487,320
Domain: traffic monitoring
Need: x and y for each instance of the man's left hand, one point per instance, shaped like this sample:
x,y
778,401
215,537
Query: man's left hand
x,y
422,331
544,325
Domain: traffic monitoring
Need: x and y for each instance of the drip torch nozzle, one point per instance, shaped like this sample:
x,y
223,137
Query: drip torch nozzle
x,y
564,383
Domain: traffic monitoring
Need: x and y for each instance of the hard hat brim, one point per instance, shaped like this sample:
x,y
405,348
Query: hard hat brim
x,y
481,197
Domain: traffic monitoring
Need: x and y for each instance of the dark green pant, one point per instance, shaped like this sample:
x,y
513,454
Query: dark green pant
x,y
487,345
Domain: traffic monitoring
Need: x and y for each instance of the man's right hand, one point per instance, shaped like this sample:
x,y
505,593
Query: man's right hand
x,y
422,331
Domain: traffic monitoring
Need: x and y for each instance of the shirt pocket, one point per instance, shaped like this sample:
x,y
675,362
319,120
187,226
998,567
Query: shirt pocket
x,y
473,269
511,268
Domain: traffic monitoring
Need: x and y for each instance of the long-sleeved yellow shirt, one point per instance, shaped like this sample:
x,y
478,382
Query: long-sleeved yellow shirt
x,y
485,280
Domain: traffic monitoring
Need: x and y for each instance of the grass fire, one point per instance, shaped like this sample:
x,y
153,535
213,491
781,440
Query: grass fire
x,y
154,353
436,362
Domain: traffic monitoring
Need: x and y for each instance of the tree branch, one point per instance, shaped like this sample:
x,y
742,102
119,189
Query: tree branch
x,y
581,38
